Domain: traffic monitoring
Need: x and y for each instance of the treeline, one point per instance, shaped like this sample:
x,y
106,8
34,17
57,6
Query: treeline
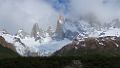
x,y
85,61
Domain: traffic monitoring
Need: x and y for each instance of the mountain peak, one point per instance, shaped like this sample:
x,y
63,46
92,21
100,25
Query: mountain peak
x,y
36,32
61,19
21,33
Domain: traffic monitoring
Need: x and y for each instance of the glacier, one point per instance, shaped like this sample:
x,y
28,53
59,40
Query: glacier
x,y
34,48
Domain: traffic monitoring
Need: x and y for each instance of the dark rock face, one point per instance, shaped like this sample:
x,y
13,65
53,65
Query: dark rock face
x,y
103,45
36,31
6,44
59,33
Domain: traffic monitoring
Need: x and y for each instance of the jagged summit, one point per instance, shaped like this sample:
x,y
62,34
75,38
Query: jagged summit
x,y
22,34
37,32
59,29
61,19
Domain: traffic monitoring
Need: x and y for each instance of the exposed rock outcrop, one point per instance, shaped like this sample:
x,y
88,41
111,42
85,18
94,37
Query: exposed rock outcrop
x,y
59,29
36,31
6,44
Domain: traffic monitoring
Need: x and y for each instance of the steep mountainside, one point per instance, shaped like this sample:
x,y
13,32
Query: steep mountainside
x,y
7,50
6,44
108,45
7,53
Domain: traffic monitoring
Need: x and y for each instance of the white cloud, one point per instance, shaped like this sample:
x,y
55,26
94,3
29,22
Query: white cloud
x,y
16,14
104,10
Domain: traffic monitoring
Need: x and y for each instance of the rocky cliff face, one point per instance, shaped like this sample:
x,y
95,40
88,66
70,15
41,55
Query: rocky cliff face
x,y
59,29
36,31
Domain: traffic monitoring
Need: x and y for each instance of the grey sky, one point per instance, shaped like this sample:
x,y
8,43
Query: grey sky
x,y
104,10
17,14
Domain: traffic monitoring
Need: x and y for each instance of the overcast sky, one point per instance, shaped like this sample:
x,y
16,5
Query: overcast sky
x,y
104,10
22,14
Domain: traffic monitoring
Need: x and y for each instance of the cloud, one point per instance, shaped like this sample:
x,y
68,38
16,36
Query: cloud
x,y
17,14
60,5
104,10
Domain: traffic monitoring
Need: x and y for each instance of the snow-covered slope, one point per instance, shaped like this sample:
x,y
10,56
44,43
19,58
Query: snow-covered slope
x,y
74,27
109,32
90,27
29,47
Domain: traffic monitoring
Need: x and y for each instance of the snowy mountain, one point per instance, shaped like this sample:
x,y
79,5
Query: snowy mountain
x,y
28,46
22,34
89,26
46,42
38,43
